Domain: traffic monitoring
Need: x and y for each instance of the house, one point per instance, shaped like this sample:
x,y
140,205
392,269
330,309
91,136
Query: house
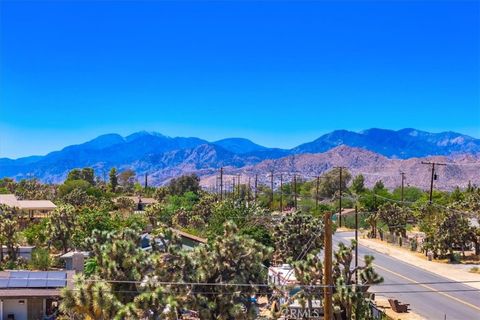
x,y
142,203
189,241
31,208
75,260
24,252
283,277
31,295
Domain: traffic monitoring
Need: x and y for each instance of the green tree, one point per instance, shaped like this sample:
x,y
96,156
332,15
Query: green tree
x,y
230,259
330,182
41,259
9,231
395,217
350,295
75,174
358,184
113,183
127,179
118,257
296,236
88,175
92,300
61,226
186,183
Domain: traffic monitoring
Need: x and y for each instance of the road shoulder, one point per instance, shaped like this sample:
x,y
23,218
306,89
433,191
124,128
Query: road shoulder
x,y
451,272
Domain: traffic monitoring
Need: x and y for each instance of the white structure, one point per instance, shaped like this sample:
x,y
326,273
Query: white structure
x,y
34,208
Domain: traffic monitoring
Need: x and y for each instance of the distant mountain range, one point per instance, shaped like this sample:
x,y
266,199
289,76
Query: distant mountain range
x,y
164,157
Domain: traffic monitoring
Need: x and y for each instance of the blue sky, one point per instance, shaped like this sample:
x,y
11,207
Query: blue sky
x,y
279,73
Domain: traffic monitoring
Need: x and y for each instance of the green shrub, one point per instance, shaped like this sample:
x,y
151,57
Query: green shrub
x,y
40,259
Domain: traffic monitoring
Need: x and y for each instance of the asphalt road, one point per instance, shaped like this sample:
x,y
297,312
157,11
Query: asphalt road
x,y
451,301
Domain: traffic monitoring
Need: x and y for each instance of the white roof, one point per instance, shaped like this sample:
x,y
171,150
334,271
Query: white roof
x,y
12,201
9,200
36,204
285,273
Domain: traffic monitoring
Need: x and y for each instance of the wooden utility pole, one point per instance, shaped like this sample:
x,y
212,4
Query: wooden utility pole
x,y
238,186
327,290
356,244
295,191
256,187
281,193
146,181
271,187
340,198
434,175
316,192
233,187
221,183
403,185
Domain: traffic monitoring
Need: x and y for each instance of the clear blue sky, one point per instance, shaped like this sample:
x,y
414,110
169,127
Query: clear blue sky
x,y
278,73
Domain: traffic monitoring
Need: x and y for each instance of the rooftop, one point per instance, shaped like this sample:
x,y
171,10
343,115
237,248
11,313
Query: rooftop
x,y
12,201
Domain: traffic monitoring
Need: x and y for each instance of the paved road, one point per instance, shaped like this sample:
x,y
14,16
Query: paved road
x,y
434,302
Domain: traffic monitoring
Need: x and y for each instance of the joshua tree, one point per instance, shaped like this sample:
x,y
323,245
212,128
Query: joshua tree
x,y
350,295
118,256
61,226
9,228
91,299
297,236
231,259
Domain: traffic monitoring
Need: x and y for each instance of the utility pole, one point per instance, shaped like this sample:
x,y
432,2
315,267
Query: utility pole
x,y
146,181
403,185
249,192
340,198
271,187
238,187
434,175
221,183
281,192
295,191
316,192
233,187
327,290
256,186
356,244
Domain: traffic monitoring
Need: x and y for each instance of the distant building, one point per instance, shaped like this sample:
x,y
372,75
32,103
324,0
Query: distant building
x,y
75,260
31,295
24,252
31,208
142,203
189,241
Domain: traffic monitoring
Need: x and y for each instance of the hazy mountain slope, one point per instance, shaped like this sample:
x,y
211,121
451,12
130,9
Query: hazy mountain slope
x,y
404,144
163,157
459,171
239,145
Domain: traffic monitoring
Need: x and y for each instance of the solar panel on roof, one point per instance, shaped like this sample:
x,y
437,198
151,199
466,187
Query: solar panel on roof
x,y
56,279
34,279
3,283
37,280
18,279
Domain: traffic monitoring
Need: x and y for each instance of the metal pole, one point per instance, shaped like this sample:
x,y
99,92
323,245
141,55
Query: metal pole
x,y
316,192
